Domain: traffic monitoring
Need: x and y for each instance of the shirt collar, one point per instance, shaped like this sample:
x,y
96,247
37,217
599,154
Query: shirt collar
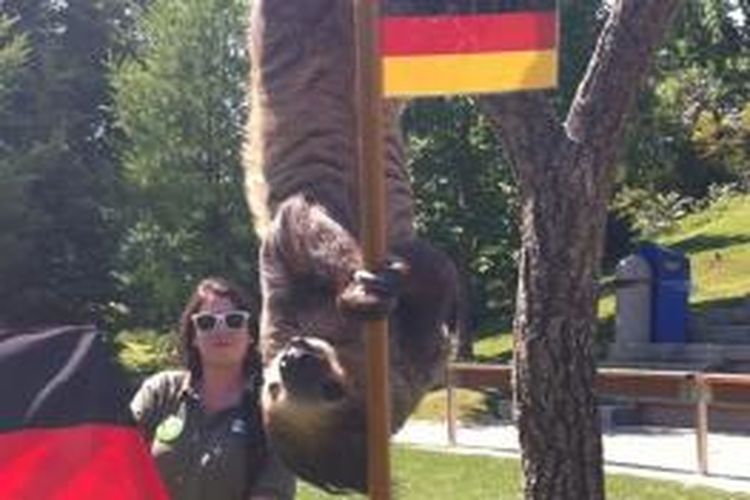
x,y
189,386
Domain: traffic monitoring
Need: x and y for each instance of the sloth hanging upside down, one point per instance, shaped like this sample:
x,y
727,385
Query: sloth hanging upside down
x,y
301,177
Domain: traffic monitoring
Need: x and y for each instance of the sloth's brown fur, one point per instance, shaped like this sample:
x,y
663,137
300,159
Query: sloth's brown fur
x,y
301,173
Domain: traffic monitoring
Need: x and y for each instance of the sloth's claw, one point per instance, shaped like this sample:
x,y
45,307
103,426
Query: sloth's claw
x,y
373,295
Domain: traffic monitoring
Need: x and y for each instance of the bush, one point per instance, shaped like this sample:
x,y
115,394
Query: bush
x,y
143,352
651,213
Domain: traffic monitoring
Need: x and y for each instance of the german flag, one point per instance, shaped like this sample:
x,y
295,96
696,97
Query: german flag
x,y
439,47
65,427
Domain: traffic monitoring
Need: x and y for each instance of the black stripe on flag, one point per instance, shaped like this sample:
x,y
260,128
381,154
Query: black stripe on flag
x,y
59,377
456,7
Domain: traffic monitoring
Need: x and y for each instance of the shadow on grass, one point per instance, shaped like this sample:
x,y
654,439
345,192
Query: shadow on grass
x,y
492,410
723,303
673,470
702,243
503,358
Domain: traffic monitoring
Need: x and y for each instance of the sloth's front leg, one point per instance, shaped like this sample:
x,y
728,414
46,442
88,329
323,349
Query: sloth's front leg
x,y
374,294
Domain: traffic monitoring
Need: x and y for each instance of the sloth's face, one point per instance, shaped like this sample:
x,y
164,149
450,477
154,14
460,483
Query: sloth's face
x,y
307,375
314,413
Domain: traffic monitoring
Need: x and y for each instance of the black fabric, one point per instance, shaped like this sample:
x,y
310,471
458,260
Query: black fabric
x,y
454,7
59,377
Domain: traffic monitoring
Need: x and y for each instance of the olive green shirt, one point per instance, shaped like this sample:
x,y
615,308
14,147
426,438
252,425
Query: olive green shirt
x,y
204,456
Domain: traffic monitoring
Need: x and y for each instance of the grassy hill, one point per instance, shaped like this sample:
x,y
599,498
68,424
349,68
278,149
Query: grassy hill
x,y
717,242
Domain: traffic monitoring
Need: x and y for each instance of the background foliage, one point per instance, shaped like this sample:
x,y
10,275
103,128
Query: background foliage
x,y
59,233
121,127
466,200
180,106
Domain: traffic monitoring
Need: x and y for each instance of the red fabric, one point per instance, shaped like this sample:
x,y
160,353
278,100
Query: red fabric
x,y
98,462
466,34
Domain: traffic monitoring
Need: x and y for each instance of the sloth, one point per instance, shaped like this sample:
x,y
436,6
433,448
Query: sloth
x,y
301,175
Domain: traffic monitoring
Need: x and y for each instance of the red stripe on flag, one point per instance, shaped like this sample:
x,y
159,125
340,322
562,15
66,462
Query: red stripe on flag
x,y
413,35
74,463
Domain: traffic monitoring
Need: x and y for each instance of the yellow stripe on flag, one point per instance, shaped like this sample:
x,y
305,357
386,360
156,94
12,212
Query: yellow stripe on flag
x,y
469,73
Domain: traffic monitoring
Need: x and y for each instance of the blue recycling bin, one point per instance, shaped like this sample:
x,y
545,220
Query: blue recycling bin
x,y
670,291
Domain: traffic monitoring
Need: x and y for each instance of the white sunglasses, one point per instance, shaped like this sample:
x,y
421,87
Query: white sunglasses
x,y
206,322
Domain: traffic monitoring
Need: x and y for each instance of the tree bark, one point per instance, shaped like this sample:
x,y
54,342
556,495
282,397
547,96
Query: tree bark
x,y
463,331
565,172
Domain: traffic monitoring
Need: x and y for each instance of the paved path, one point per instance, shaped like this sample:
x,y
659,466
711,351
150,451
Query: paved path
x,y
661,453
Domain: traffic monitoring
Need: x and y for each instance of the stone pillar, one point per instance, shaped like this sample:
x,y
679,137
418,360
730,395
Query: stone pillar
x,y
633,278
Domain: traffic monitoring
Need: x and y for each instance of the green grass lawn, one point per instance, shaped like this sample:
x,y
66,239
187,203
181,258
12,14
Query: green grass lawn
x,y
718,244
427,475
470,406
496,348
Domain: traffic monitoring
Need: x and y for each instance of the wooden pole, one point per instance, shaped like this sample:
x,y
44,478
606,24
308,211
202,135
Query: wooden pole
x,y
373,236
450,404
701,422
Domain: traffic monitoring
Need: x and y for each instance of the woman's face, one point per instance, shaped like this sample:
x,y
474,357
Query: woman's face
x,y
222,336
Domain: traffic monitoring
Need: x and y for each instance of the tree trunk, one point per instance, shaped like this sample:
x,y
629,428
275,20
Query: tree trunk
x,y
464,330
565,172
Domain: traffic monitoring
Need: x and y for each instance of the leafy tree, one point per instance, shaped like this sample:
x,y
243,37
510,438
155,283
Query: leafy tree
x,y
13,57
690,131
59,235
180,105
465,198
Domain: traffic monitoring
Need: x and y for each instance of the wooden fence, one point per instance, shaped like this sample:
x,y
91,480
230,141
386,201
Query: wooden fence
x,y
697,389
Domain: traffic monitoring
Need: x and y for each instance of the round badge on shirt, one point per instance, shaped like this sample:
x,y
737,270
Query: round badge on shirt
x,y
170,429
238,426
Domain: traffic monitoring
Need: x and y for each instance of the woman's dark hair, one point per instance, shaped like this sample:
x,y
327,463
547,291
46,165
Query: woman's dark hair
x,y
219,287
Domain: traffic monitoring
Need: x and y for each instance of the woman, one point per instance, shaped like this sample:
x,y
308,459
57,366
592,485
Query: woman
x,y
204,422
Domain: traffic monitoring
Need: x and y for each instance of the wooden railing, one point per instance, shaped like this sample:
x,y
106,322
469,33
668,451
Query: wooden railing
x,y
697,389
